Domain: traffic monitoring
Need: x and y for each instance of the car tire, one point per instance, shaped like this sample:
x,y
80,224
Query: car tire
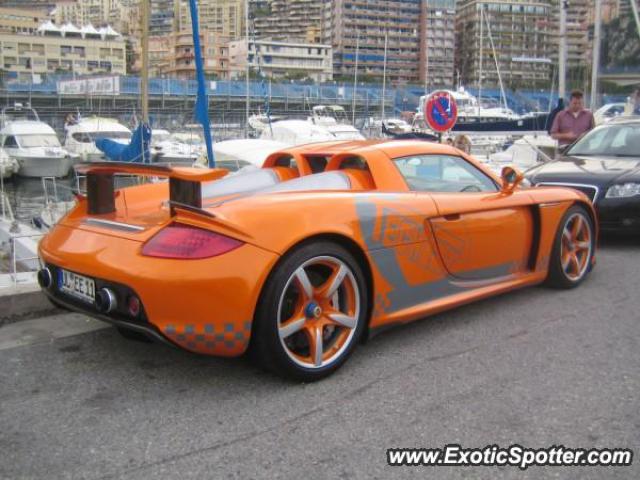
x,y
573,249
311,314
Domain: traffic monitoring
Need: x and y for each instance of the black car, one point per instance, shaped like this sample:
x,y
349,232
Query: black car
x,y
605,165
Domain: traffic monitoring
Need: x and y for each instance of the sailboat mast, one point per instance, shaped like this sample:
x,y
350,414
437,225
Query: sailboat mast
x,y
634,9
246,35
562,51
426,49
144,74
495,58
384,75
355,81
481,55
595,64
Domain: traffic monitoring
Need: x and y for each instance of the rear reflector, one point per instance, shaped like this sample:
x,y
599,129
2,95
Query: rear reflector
x,y
186,242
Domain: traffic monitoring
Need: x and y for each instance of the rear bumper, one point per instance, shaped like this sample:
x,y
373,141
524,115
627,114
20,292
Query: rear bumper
x,y
146,328
205,306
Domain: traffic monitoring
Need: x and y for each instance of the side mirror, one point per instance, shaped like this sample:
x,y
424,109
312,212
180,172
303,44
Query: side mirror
x,y
511,178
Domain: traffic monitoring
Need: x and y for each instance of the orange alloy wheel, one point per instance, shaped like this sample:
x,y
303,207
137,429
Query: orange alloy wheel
x,y
576,246
318,312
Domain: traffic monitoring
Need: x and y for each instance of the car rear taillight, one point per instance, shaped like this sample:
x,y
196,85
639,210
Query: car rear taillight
x,y
184,241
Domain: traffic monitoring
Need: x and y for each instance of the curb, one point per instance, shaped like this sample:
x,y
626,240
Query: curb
x,y
24,303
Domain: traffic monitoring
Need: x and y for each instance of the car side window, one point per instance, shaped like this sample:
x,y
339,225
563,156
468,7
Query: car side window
x,y
443,173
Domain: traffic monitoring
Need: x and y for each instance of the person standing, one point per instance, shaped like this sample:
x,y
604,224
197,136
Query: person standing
x,y
573,121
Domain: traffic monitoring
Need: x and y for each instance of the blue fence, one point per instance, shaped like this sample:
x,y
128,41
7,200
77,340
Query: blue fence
x,y
404,98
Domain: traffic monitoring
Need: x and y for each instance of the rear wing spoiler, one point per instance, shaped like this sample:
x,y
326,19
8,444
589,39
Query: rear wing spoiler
x,y
185,183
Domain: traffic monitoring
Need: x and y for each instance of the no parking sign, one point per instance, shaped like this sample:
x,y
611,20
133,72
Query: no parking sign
x,y
441,111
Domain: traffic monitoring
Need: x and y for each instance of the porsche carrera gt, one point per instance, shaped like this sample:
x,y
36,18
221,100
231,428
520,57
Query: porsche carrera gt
x,y
300,261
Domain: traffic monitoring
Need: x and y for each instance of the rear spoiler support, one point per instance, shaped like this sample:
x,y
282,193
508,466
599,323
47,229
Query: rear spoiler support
x,y
101,196
185,183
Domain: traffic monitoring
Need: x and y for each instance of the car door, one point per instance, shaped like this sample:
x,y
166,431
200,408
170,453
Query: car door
x,y
480,232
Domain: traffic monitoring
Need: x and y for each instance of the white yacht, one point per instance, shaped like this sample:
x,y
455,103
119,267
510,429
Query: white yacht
x,y
81,136
167,149
470,110
391,125
193,140
237,154
525,153
299,132
608,112
325,123
33,144
334,119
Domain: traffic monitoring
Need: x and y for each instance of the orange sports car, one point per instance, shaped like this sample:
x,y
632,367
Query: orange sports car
x,y
299,261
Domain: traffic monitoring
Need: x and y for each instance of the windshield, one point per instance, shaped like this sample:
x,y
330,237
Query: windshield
x,y
610,140
160,137
38,140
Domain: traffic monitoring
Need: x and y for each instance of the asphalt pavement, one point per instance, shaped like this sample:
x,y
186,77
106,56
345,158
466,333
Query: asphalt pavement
x,y
536,367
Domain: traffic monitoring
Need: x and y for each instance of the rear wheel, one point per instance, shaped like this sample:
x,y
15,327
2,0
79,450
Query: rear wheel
x,y
312,312
573,249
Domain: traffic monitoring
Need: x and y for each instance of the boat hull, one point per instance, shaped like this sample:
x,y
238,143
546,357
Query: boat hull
x,y
42,166
175,159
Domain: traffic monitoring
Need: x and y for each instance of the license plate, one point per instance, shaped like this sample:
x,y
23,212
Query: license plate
x,y
77,286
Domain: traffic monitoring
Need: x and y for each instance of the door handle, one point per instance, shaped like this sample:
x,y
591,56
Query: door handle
x,y
452,217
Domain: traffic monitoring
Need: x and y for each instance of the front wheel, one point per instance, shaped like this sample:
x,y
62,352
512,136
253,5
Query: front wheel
x,y
573,249
312,312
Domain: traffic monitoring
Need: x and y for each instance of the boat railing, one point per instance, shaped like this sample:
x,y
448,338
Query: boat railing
x,y
7,211
5,205
52,188
17,259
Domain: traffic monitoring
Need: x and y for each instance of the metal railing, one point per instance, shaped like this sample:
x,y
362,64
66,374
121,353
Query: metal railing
x,y
15,259
7,211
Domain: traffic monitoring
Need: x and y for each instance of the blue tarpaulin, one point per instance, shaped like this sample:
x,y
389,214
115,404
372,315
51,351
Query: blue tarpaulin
x,y
136,151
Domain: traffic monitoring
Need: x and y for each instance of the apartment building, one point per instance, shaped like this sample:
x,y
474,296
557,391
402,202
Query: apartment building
x,y
224,17
361,25
278,59
21,20
83,12
179,59
27,3
162,15
69,49
288,20
437,51
579,20
520,32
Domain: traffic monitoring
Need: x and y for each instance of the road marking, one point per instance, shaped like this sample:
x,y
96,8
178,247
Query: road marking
x,y
46,329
